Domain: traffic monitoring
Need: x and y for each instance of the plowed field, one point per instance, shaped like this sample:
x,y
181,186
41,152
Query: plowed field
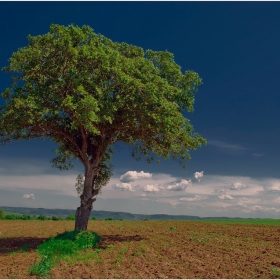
x,y
148,249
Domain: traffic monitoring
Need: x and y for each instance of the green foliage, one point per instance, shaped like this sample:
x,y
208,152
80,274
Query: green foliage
x,y
93,218
55,218
41,217
18,217
2,214
42,268
11,217
26,217
62,247
71,217
172,228
108,219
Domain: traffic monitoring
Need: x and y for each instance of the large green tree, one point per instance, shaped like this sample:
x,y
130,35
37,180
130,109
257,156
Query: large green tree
x,y
87,93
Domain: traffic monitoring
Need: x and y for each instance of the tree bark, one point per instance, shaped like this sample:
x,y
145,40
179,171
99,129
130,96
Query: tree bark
x,y
87,198
83,212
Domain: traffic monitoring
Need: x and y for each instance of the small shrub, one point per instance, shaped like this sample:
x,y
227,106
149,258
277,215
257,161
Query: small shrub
x,y
26,217
41,217
93,218
55,218
2,214
71,217
109,219
172,228
10,217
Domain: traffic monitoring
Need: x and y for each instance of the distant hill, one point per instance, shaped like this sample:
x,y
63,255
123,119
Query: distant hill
x,y
100,214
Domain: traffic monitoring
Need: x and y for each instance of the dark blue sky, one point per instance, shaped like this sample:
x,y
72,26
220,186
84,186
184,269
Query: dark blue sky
x,y
235,48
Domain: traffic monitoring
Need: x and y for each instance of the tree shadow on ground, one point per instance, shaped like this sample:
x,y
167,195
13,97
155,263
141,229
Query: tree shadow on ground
x,y
116,238
29,244
19,244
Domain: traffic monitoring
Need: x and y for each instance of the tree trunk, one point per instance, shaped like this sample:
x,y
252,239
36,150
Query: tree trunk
x,y
83,212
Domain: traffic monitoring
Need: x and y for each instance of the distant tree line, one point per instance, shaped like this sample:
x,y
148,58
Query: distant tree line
x,y
4,216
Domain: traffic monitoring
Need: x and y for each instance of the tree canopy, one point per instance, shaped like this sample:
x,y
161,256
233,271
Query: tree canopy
x,y
87,93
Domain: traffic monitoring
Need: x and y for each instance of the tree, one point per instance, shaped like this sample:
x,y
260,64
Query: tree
x,y
70,217
86,93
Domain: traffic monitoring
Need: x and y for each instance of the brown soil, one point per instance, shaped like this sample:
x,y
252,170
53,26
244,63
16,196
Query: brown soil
x,y
148,249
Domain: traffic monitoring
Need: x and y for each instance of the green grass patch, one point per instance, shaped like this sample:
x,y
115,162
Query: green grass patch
x,y
62,247
275,272
86,257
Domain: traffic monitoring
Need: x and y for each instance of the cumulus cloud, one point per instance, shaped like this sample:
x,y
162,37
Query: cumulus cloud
x,y
131,176
225,197
274,187
152,188
198,175
195,198
123,187
237,186
29,196
181,186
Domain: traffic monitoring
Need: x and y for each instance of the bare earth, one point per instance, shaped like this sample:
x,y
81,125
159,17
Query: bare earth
x,y
148,249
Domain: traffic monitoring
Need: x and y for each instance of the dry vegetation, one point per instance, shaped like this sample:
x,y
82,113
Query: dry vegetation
x,y
148,249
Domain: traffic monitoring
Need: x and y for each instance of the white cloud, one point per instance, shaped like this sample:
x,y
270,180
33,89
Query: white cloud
x,y
197,197
237,186
152,188
274,187
131,176
31,196
198,175
123,187
225,196
181,186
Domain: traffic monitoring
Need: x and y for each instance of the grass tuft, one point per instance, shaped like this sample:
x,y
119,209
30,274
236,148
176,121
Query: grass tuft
x,y
275,272
62,247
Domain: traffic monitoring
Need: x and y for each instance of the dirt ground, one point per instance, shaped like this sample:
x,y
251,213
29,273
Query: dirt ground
x,y
148,249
